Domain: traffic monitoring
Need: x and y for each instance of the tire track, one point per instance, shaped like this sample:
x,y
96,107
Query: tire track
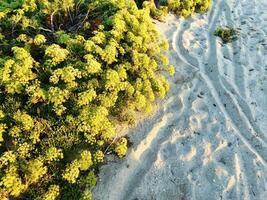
x,y
238,71
234,111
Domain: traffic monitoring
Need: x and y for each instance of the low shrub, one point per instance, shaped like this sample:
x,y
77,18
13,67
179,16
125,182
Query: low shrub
x,y
227,34
159,8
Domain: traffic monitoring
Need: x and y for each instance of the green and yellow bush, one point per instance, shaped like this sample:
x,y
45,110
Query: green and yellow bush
x,y
69,71
227,34
160,8
186,8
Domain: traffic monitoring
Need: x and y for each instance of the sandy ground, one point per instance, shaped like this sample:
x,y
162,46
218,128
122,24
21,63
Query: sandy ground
x,y
208,139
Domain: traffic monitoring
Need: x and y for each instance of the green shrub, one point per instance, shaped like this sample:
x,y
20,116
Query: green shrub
x,y
121,147
227,34
69,71
186,8
179,7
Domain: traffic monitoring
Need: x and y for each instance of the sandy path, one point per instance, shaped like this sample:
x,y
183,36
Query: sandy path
x,y
208,139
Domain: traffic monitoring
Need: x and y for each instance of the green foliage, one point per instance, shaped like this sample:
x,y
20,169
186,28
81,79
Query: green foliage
x,y
121,147
53,154
52,193
8,4
72,172
227,34
186,8
99,157
69,72
55,54
35,170
157,13
39,39
12,182
87,195
179,7
17,71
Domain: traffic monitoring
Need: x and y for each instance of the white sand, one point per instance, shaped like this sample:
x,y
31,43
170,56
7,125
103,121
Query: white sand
x,y
208,139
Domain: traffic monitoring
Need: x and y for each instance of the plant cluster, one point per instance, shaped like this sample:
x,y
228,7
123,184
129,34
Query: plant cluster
x,y
227,34
186,8
69,71
159,8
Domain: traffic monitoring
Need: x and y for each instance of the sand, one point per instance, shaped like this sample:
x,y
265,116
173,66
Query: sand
x,y
208,139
